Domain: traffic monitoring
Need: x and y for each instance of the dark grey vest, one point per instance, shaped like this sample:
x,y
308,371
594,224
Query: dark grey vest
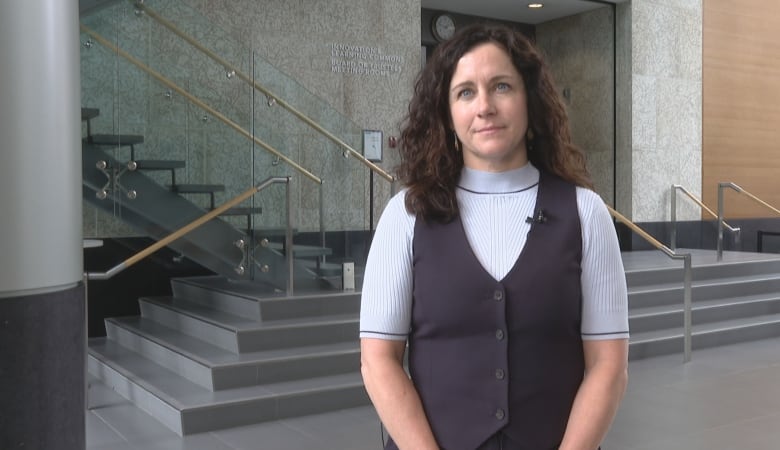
x,y
487,355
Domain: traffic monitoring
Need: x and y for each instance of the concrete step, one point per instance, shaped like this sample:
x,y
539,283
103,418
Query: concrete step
x,y
653,276
247,300
670,294
219,293
214,368
667,341
705,311
238,334
186,407
231,332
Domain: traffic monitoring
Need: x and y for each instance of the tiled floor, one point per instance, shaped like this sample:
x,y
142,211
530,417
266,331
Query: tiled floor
x,y
726,398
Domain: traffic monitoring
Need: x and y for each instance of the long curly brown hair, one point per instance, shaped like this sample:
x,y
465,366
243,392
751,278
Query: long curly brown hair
x,y
430,165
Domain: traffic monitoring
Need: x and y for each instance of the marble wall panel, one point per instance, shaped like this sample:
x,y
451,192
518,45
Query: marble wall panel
x,y
666,106
580,51
623,105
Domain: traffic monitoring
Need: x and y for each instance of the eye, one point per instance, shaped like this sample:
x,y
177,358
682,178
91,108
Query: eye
x,y
465,93
502,87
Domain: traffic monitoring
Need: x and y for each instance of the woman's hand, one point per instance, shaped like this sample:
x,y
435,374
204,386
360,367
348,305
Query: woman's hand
x,y
394,395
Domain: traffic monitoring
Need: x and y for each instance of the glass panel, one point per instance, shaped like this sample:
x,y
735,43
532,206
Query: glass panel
x,y
189,107
192,121
326,216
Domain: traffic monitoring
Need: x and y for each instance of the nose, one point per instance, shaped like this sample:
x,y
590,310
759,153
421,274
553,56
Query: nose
x,y
485,105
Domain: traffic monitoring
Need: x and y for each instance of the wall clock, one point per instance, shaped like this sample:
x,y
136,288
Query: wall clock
x,y
443,27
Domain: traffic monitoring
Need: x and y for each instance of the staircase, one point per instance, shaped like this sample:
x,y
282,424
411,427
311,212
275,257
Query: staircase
x,y
157,210
229,349
216,355
734,300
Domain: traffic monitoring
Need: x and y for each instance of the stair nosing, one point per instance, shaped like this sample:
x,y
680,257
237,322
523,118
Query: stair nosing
x,y
701,305
257,392
677,332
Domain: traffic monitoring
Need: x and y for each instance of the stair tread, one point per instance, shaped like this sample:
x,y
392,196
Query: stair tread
x,y
183,394
243,211
238,323
212,356
248,289
677,332
89,113
271,232
702,304
303,251
196,188
115,139
703,283
325,269
159,164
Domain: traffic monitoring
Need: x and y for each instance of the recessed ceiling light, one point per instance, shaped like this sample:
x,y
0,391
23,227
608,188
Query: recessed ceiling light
x,y
535,5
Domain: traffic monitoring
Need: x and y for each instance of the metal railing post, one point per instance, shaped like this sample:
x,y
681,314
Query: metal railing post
x,y
86,341
720,222
322,220
288,241
687,278
673,239
687,308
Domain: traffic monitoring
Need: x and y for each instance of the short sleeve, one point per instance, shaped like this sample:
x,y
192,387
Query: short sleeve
x,y
386,299
603,278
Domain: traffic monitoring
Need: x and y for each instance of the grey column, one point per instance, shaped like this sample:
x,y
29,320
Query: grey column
x,y
41,295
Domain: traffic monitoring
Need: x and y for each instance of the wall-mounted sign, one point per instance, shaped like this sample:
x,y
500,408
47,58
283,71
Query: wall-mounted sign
x,y
363,60
372,145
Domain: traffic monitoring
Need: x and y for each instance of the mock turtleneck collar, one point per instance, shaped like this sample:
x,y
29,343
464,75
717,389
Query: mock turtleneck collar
x,y
513,180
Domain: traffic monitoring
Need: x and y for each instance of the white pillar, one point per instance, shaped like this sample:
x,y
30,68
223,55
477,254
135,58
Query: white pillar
x,y
40,147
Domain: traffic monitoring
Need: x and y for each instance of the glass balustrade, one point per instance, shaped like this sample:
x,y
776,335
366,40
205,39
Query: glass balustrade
x,y
209,118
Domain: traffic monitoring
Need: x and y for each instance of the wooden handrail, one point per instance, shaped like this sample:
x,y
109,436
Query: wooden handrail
x,y
756,199
228,66
703,206
653,241
687,279
100,39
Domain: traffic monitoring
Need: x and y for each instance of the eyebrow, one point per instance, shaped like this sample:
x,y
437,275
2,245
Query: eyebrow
x,y
492,80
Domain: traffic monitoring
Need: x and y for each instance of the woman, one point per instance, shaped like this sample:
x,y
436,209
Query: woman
x,y
497,264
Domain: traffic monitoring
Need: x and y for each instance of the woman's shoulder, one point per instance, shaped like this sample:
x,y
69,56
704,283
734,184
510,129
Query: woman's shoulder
x,y
395,211
590,203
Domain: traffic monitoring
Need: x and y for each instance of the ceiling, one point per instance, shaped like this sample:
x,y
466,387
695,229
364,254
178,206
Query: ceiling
x,y
517,10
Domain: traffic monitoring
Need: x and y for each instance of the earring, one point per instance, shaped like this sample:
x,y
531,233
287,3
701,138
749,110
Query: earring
x,y
457,145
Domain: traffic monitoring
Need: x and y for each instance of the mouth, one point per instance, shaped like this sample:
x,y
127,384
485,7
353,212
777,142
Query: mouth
x,y
488,130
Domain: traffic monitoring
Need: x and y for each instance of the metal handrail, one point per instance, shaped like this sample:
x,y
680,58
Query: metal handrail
x,y
271,96
199,103
675,188
202,220
721,222
687,278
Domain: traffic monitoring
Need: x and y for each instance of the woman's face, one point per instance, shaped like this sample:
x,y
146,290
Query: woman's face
x,y
488,110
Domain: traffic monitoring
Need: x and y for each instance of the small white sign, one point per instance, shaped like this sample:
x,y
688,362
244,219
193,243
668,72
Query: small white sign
x,y
372,145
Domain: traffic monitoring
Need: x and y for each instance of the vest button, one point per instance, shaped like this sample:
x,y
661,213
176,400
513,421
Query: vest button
x,y
500,414
498,296
500,374
499,334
